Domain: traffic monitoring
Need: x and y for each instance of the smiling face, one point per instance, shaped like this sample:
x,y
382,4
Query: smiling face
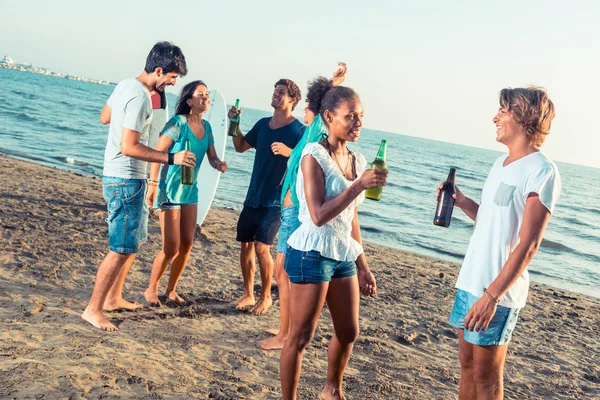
x,y
345,122
163,80
507,129
200,100
281,99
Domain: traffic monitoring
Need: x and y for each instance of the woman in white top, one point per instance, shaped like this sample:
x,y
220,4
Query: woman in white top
x,y
325,251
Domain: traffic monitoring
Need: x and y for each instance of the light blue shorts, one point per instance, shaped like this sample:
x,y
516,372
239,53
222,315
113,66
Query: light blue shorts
x,y
312,267
289,223
127,213
499,330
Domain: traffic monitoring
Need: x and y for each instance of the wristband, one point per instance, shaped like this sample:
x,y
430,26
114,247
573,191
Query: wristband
x,y
495,300
171,158
151,183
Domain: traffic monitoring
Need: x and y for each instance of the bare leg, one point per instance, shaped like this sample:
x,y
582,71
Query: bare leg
x,y
466,389
265,262
343,301
187,230
169,226
248,270
488,371
283,282
307,300
105,278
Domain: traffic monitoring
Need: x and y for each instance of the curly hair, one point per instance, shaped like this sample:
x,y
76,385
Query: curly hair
x,y
532,108
293,90
322,95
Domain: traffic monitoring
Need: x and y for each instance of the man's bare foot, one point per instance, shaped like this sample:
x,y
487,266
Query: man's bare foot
x,y
331,393
99,321
274,343
262,306
151,297
121,305
244,302
174,297
273,331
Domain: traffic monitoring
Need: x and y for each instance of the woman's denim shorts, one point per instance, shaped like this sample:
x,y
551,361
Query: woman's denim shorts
x,y
289,223
499,330
312,267
127,213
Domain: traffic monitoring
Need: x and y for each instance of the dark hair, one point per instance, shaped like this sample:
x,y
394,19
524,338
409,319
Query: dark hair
x,y
322,95
168,57
183,108
293,90
532,109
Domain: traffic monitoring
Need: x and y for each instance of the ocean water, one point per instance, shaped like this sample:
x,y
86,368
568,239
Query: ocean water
x,y
55,122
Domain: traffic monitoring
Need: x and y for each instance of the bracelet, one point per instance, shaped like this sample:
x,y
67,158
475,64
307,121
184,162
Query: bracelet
x,y
495,300
355,190
171,158
152,183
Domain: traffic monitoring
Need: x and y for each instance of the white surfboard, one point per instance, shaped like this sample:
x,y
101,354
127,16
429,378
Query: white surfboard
x,y
208,177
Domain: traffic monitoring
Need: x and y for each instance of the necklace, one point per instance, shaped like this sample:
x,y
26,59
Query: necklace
x,y
334,157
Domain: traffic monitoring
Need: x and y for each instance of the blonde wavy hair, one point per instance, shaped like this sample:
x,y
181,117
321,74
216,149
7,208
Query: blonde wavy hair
x,y
532,108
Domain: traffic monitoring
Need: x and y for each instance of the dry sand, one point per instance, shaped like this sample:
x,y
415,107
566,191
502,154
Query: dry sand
x,y
54,237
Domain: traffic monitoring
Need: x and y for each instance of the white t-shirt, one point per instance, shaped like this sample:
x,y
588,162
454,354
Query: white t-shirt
x,y
131,108
498,223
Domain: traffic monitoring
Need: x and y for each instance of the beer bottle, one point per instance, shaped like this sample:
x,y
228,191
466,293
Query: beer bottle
x,y
187,173
445,205
234,122
379,163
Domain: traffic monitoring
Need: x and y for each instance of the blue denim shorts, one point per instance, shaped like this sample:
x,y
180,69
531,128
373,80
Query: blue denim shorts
x,y
312,267
127,213
499,330
289,223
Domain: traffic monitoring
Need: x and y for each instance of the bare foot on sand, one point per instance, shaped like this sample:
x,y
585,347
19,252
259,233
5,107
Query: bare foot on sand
x,y
262,306
174,297
244,302
121,305
274,343
330,393
273,331
152,298
99,321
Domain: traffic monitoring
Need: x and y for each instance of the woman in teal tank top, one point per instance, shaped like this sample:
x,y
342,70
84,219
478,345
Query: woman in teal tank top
x,y
289,204
177,203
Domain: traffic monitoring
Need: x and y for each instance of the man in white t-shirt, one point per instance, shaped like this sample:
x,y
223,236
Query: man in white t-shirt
x,y
129,113
517,202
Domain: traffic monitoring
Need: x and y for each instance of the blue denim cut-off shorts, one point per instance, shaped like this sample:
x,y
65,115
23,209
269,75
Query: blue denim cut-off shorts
x,y
127,213
499,330
312,267
289,223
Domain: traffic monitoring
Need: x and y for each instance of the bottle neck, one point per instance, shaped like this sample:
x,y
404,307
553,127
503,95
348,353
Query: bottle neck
x,y
382,152
451,176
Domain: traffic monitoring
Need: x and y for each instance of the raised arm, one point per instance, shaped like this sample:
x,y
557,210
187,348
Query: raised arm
x,y
322,211
239,142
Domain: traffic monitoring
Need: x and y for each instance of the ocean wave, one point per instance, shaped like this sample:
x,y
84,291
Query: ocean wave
x,y
29,96
548,244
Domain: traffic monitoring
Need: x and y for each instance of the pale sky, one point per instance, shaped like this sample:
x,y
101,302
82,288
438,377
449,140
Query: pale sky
x,y
427,69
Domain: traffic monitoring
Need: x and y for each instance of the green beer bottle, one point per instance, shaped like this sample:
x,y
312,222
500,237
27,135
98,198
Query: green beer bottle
x,y
379,163
234,122
187,173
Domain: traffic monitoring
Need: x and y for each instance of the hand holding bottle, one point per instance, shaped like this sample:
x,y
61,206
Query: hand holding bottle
x,y
459,197
372,178
233,112
185,158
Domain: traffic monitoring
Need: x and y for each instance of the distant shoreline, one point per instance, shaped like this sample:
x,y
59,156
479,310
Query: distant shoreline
x,y
47,72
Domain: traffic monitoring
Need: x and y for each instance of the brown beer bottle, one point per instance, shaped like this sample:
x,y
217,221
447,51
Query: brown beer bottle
x,y
445,205
234,122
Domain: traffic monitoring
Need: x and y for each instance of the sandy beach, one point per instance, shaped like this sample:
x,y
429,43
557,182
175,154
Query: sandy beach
x,y
54,237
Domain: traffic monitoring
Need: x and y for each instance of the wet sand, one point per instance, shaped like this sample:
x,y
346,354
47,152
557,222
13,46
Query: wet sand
x,y
54,237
